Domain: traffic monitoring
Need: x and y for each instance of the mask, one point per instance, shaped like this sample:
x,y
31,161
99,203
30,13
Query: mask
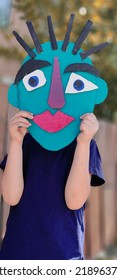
x,y
58,83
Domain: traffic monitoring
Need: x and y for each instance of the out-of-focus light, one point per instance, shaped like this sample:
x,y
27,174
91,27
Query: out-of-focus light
x,y
110,39
82,11
6,80
5,10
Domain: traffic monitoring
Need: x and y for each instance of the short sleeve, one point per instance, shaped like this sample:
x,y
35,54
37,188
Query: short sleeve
x,y
95,166
3,163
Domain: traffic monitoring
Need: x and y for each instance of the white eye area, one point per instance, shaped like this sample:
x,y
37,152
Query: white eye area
x,y
77,84
34,80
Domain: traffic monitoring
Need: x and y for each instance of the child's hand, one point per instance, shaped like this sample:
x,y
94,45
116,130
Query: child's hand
x,y
18,125
89,126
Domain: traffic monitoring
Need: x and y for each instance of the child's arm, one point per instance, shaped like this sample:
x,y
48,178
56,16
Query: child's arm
x,y
12,180
78,183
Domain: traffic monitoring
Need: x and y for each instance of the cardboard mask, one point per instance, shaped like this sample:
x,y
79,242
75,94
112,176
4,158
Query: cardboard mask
x,y
58,83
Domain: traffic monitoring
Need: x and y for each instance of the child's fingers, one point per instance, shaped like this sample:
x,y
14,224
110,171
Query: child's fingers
x,y
85,124
88,123
86,129
23,114
90,117
19,125
86,114
83,127
23,130
20,119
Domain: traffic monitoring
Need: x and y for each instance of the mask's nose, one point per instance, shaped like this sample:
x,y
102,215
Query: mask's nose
x,y
56,98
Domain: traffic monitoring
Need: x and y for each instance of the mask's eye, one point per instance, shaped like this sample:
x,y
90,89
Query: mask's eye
x,y
77,84
34,80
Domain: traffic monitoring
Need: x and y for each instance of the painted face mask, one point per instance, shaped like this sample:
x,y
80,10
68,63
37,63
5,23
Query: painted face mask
x,y
58,83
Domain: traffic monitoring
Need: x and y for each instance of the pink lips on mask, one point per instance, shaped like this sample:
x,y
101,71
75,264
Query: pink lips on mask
x,y
52,123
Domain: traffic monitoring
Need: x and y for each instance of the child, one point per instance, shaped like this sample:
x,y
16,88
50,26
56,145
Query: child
x,y
48,170
47,191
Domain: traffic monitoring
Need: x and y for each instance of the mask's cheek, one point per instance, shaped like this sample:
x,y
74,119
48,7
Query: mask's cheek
x,y
102,91
80,103
13,96
32,101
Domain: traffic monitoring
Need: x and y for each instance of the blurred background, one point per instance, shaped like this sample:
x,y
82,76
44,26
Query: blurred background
x,y
101,210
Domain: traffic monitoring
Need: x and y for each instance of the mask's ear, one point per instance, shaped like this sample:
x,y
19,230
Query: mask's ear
x,y
102,91
13,96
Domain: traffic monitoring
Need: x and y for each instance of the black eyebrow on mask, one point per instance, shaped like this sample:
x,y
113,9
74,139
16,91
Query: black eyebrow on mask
x,y
29,67
82,67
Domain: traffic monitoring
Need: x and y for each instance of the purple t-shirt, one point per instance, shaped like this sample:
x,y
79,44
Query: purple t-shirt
x,y
41,226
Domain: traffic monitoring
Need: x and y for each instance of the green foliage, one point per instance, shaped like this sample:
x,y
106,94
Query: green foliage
x,y
102,13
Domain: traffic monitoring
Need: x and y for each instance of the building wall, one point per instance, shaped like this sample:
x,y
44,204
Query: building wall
x,y
101,212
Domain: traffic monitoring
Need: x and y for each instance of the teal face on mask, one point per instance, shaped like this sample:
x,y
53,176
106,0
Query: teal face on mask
x,y
57,86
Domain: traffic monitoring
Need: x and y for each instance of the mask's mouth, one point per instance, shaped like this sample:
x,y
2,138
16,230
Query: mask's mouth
x,y
52,123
